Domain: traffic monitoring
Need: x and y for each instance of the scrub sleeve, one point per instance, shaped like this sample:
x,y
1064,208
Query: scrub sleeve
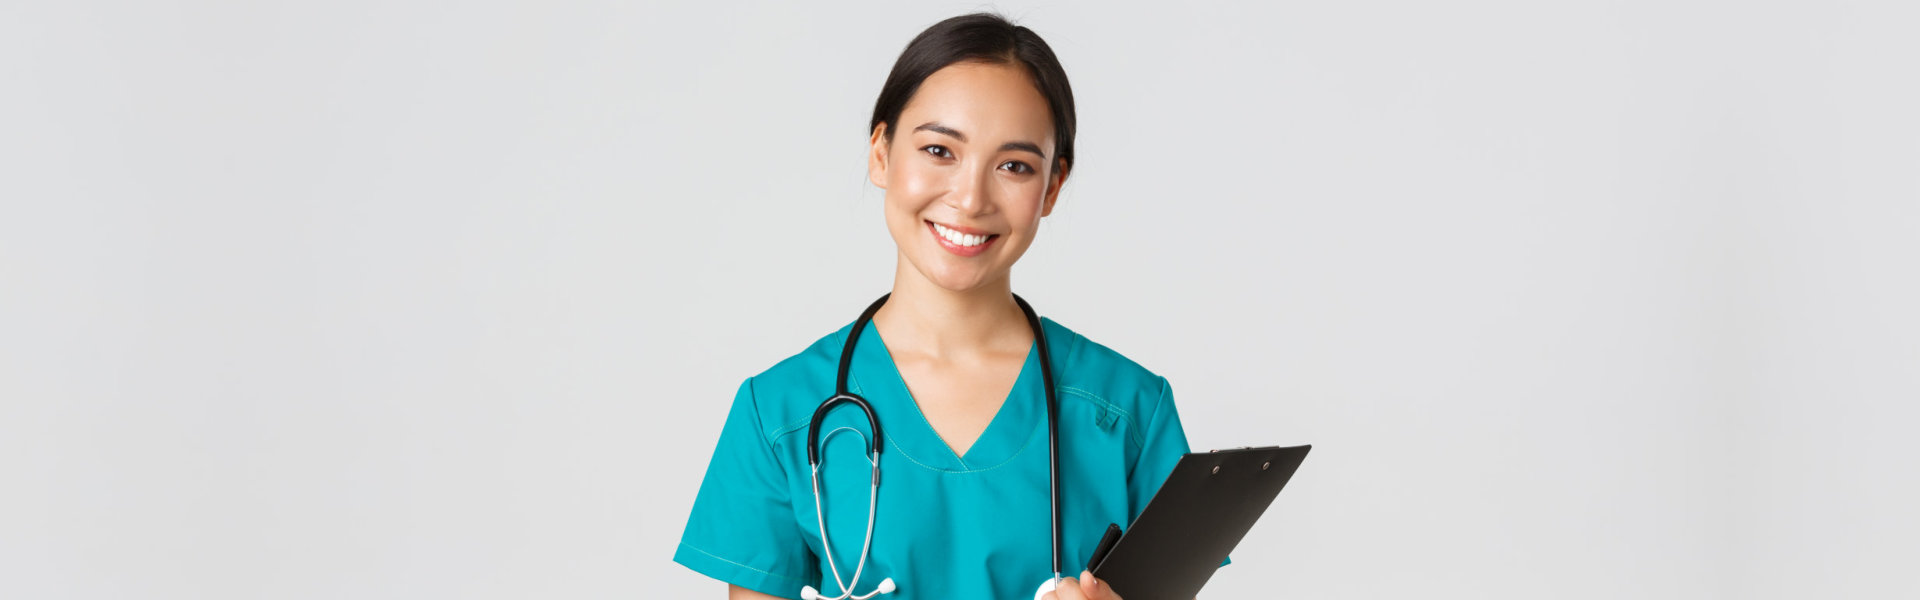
x,y
1165,443
742,529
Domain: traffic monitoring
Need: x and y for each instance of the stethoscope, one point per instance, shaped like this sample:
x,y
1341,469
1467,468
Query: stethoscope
x,y
873,456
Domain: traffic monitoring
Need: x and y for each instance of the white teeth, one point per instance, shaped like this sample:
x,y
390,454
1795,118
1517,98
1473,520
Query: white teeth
x,y
957,238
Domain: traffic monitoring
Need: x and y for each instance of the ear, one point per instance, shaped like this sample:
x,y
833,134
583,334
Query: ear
x,y
877,157
1053,187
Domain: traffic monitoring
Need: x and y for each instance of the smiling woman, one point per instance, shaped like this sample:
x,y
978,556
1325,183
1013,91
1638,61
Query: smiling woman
x,y
972,139
968,185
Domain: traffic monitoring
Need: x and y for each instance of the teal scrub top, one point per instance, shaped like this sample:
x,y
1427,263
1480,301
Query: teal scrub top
x,y
945,525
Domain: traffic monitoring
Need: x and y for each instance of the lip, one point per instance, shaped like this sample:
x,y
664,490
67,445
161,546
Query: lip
x,y
959,250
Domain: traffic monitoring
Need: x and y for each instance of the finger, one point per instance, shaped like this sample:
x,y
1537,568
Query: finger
x,y
1096,589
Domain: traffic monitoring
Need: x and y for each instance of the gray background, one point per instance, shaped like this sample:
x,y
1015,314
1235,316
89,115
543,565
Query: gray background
x,y
447,300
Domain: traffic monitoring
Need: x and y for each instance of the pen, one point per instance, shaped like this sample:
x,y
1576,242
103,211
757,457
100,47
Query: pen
x,y
1106,545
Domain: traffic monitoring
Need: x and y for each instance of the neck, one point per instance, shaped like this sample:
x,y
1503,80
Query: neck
x,y
937,322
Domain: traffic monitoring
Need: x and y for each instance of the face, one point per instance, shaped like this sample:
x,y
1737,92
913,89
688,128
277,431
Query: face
x,y
968,173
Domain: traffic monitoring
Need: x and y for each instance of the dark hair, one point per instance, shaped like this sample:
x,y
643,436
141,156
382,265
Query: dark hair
x,y
979,37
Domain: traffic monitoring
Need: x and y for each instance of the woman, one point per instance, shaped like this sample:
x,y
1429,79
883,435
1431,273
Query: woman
x,y
972,138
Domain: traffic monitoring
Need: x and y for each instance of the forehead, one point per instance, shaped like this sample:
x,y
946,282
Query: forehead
x,y
991,101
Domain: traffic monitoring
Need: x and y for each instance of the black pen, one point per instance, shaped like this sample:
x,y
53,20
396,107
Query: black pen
x,y
1106,545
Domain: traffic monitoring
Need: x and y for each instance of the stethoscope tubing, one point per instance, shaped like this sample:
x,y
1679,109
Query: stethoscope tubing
x,y
873,496
842,396
1053,426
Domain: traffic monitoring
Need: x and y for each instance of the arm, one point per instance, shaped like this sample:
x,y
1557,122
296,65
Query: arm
x,y
742,529
735,592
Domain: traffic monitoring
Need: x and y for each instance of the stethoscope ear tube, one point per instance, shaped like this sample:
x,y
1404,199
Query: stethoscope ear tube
x,y
820,414
840,393
853,337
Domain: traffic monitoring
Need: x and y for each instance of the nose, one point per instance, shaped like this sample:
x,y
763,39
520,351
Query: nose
x,y
971,191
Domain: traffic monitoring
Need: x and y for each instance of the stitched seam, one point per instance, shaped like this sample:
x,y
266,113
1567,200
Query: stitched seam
x,y
1132,433
775,436
916,461
796,425
923,421
956,457
1009,460
854,382
754,396
1133,426
747,567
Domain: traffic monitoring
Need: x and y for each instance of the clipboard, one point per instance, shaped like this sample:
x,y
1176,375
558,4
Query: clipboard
x,y
1207,504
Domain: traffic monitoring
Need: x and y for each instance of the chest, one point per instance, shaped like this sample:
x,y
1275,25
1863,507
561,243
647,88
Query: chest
x,y
960,398
984,531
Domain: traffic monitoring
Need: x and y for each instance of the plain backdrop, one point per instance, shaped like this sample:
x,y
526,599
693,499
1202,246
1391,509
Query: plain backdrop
x,y
405,299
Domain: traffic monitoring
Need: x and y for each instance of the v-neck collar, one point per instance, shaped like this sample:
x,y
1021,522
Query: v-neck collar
x,y
1012,429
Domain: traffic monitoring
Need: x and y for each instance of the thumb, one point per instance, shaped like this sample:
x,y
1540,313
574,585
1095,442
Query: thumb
x,y
1096,589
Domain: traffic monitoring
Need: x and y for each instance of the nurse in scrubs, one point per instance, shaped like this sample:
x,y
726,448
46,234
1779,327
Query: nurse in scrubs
x,y
971,138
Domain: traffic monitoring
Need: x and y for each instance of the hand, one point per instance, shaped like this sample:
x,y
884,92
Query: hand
x,y
1084,588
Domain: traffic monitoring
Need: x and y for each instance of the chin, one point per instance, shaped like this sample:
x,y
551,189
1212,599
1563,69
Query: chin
x,y
957,283
952,278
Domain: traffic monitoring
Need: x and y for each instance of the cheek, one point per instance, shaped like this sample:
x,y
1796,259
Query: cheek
x,y
915,181
1023,201
907,195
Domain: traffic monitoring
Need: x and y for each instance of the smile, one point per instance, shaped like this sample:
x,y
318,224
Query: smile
x,y
959,242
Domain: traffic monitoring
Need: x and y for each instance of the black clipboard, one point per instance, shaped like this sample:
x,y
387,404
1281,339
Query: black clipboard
x,y
1199,514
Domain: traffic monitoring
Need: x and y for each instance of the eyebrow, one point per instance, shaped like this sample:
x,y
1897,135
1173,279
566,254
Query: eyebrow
x,y
936,127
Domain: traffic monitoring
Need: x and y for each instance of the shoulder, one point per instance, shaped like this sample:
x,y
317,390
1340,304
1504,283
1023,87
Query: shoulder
x,y
784,396
1092,372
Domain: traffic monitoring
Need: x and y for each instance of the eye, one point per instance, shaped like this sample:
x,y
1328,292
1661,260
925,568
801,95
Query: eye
x,y
938,151
1017,167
